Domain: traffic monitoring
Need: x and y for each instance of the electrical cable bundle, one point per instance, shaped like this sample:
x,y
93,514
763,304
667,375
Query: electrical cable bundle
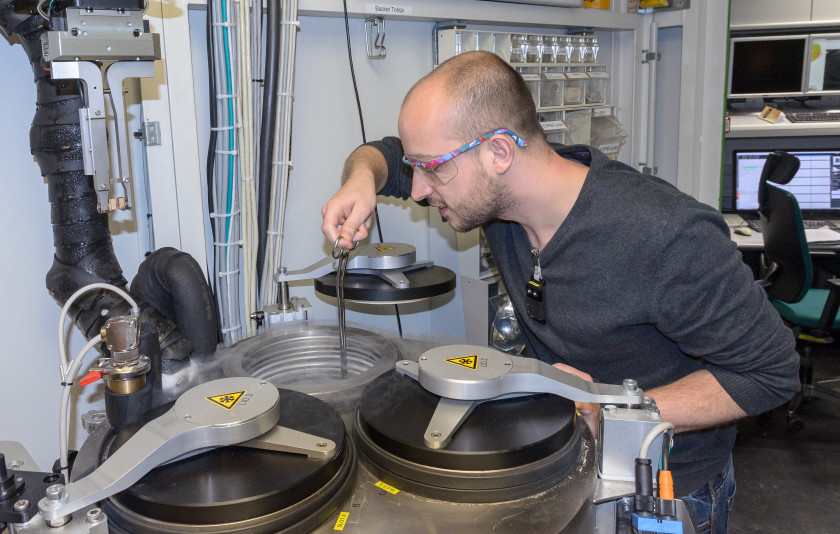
x,y
226,172
282,151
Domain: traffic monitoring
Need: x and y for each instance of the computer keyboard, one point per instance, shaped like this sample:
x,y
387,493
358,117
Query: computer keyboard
x,y
812,116
755,224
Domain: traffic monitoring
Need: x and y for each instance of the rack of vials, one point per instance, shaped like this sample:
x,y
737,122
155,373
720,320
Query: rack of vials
x,y
569,86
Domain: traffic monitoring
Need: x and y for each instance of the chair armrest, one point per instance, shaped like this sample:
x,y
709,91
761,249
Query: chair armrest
x,y
832,304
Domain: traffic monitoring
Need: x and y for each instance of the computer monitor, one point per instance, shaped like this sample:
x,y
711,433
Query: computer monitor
x,y
773,66
816,185
824,70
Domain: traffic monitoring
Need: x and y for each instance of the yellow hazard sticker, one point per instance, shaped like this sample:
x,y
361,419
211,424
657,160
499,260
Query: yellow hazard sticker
x,y
342,520
390,489
226,400
384,249
465,361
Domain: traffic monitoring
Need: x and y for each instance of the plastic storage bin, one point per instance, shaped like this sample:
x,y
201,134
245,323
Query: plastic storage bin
x,y
553,85
607,134
597,85
576,80
533,80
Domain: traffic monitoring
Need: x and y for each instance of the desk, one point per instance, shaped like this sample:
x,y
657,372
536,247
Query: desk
x,y
755,243
747,125
824,255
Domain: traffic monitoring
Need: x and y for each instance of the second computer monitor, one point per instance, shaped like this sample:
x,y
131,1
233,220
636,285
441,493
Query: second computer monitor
x,y
816,185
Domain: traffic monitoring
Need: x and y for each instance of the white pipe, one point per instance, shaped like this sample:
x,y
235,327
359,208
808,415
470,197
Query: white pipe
x,y
64,415
650,151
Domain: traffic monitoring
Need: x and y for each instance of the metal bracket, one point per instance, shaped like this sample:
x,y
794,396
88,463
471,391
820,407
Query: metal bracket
x,y
649,170
375,43
389,261
149,133
95,154
648,56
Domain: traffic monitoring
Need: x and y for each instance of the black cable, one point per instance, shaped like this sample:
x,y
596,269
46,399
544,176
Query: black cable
x,y
267,123
211,152
211,148
364,137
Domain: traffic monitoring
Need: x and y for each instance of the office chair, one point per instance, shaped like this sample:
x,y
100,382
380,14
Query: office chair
x,y
788,276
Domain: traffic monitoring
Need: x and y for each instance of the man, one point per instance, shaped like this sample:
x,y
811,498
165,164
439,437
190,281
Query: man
x,y
637,279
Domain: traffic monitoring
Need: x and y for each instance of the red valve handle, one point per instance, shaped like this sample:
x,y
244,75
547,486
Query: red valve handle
x,y
90,378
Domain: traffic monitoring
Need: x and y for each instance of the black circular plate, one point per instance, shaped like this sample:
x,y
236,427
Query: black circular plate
x,y
395,411
230,484
424,283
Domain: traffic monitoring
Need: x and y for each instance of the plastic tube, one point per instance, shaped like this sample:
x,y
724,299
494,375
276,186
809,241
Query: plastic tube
x,y
63,416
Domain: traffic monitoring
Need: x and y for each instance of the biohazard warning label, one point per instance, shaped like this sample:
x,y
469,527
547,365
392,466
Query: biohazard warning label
x,y
227,400
465,361
384,249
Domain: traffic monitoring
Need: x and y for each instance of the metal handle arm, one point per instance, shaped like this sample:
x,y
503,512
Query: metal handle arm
x,y
468,372
196,421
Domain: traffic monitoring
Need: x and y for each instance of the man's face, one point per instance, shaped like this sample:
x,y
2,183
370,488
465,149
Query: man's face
x,y
464,193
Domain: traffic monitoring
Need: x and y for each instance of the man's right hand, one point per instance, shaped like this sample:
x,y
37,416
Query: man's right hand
x,y
348,213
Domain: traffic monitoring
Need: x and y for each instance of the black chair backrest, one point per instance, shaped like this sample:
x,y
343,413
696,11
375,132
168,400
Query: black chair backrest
x,y
783,232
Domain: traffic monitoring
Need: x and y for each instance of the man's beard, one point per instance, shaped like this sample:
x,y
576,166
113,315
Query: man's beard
x,y
487,200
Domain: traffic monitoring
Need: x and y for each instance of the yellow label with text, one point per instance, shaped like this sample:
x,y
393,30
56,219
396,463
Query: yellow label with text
x,y
342,520
390,489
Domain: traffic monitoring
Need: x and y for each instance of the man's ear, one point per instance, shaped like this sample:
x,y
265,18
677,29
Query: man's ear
x,y
502,149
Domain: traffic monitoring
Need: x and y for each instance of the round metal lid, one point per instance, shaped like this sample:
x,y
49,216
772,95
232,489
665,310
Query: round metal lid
x,y
395,411
234,483
424,283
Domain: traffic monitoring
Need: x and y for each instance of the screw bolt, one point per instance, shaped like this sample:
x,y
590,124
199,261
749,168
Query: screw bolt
x,y
55,493
435,434
21,505
95,515
630,385
321,444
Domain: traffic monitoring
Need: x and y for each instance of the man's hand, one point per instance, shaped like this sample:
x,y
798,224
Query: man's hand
x,y
348,213
588,410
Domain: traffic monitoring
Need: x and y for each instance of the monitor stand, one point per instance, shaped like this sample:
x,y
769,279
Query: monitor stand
x,y
748,105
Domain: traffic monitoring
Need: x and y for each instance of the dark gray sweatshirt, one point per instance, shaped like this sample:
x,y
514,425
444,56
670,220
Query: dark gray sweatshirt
x,y
644,282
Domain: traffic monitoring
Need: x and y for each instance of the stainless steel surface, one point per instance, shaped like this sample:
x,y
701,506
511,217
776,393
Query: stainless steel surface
x,y
101,35
81,522
116,74
92,116
622,431
282,439
447,418
17,456
565,508
220,412
472,372
305,357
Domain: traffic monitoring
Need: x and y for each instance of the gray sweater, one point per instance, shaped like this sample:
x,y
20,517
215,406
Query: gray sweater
x,y
644,282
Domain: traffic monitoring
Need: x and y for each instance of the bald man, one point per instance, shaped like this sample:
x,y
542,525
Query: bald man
x,y
638,280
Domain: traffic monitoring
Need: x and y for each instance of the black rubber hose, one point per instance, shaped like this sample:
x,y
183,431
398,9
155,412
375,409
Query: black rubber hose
x,y
173,282
268,121
84,252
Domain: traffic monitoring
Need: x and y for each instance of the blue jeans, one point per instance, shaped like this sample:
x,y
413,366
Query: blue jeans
x,y
711,504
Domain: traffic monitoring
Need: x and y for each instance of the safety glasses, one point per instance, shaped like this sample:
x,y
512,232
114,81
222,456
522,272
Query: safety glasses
x,y
441,170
